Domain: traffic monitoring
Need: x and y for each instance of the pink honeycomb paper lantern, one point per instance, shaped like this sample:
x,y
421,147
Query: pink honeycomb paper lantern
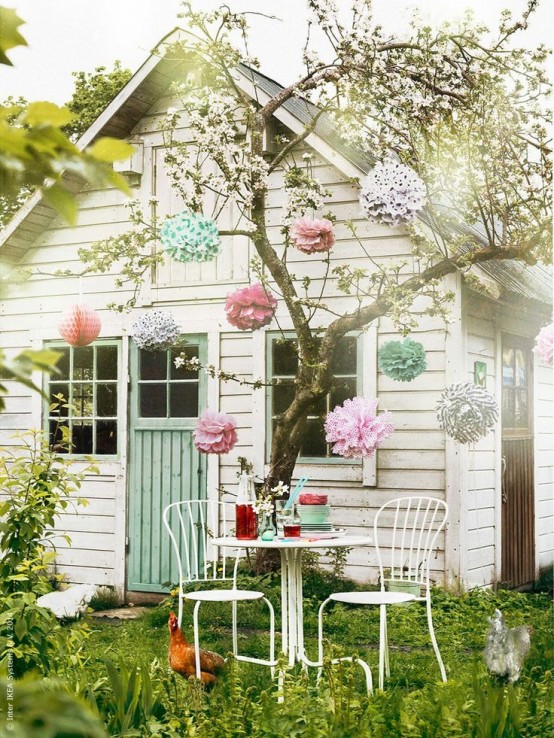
x,y
544,344
312,235
356,430
215,433
79,325
250,308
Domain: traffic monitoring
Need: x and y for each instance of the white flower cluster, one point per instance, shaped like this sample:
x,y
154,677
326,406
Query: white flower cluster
x,y
392,194
192,364
155,331
280,490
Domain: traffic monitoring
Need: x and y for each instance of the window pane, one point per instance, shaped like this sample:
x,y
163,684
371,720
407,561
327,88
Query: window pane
x,y
285,360
82,400
82,437
521,379
314,443
182,373
106,362
82,363
153,365
56,438
106,400
520,409
63,365
346,390
106,437
508,367
57,388
183,400
508,408
344,360
282,397
153,401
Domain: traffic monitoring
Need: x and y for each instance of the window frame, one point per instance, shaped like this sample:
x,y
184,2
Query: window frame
x,y
271,337
49,379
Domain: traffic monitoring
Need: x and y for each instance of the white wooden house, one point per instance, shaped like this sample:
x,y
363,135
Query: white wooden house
x,y
138,414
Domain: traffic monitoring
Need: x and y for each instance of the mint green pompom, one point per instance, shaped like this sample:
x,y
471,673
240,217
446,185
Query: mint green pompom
x,y
402,360
190,237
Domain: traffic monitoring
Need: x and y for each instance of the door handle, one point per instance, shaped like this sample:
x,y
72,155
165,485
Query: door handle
x,y
503,473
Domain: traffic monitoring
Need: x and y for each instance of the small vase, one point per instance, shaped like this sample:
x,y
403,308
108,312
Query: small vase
x,y
267,528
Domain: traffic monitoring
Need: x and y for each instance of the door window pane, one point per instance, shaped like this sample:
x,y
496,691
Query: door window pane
x,y
153,364
153,400
183,400
285,360
63,365
59,388
81,436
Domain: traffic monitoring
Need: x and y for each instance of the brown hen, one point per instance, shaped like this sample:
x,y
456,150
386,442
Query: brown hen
x,y
181,656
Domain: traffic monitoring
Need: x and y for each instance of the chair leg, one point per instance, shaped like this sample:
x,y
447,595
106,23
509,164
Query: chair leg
x,y
320,636
180,611
235,634
271,636
387,655
196,638
434,640
382,643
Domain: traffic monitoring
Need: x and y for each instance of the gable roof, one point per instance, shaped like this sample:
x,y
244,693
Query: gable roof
x,y
152,80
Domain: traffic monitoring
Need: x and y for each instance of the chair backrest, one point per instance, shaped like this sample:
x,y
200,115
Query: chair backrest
x,y
192,524
406,532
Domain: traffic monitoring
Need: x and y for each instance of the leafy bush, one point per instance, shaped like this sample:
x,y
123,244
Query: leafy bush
x,y
39,484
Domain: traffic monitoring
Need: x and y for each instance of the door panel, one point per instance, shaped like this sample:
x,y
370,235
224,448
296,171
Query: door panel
x,y
164,464
518,498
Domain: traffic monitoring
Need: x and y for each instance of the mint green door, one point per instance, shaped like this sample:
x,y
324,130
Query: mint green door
x,y
164,465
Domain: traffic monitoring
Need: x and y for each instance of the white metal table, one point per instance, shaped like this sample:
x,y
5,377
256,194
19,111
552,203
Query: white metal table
x,y
292,613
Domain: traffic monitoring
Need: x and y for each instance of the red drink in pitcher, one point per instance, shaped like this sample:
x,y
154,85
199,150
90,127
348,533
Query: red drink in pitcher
x,y
246,523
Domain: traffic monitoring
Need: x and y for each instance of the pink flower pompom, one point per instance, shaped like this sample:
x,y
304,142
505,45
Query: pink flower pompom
x,y
311,235
544,344
355,428
215,433
250,308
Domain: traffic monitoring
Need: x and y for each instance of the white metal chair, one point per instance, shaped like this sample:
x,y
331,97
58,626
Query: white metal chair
x,y
191,525
406,532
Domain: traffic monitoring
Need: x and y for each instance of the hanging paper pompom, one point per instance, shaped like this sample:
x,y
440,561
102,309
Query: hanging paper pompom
x,y
544,344
250,308
79,325
356,429
312,235
402,360
155,331
466,412
190,237
392,194
215,433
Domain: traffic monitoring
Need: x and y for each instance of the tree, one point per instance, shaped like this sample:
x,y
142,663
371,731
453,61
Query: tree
x,y
93,91
464,111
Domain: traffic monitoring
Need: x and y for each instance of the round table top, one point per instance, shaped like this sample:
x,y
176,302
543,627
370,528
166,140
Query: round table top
x,y
339,542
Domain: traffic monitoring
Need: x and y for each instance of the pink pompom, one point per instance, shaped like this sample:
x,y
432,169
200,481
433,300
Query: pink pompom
x,y
311,235
355,428
544,344
250,308
79,325
215,433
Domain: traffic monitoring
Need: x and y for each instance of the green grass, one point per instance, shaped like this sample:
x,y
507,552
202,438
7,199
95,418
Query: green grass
x,y
414,703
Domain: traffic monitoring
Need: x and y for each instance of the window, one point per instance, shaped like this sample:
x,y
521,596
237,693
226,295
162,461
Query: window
x,y
87,380
166,391
283,365
516,385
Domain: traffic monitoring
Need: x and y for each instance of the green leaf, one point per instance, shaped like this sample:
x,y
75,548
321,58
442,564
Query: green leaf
x,y
9,35
62,201
48,114
110,149
20,628
45,359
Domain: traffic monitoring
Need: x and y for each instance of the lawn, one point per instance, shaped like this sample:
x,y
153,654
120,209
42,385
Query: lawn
x,y
414,703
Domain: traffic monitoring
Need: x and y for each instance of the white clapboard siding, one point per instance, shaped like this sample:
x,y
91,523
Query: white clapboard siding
x,y
481,475
544,445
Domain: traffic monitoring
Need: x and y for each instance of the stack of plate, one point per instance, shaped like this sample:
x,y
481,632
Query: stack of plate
x,y
317,527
